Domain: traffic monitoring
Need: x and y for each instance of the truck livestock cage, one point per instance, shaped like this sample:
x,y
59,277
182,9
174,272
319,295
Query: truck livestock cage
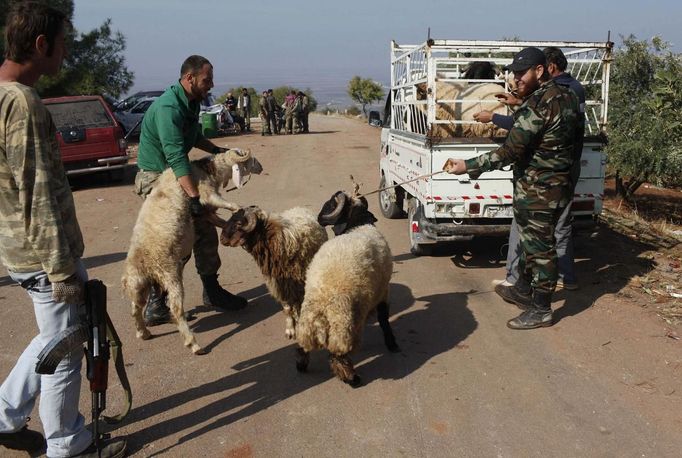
x,y
423,120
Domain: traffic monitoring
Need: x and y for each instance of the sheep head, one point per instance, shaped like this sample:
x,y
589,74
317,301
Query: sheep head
x,y
345,212
237,165
242,223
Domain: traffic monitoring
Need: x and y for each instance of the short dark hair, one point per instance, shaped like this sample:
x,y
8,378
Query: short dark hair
x,y
555,56
26,21
193,64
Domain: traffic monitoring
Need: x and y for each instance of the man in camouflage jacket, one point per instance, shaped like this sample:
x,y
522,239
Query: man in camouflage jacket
x,y
40,241
540,147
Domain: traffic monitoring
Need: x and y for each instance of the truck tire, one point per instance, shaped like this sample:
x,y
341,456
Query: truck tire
x,y
417,249
390,201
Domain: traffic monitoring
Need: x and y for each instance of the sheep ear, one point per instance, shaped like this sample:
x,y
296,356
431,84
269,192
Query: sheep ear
x,y
251,216
332,209
239,155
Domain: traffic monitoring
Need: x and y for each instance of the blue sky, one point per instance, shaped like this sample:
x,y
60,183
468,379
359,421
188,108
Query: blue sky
x,y
322,44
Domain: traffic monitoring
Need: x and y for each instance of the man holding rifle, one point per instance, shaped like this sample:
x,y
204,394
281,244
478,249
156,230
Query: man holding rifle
x,y
40,240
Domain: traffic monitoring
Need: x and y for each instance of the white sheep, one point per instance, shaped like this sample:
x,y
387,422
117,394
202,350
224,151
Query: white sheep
x,y
163,235
347,280
282,245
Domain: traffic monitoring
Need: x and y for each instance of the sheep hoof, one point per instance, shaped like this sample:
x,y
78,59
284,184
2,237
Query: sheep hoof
x,y
355,382
144,335
200,351
290,333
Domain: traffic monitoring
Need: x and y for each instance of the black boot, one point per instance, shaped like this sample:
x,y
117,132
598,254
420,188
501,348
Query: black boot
x,y
519,294
216,296
539,315
156,312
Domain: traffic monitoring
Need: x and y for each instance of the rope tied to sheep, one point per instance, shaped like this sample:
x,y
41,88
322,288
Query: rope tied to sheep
x,y
356,186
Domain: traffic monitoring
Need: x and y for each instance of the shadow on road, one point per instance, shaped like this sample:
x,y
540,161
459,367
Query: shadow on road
x,y
265,380
442,323
114,178
607,261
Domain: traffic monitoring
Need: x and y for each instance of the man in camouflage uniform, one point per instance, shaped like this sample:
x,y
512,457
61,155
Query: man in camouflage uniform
x,y
540,145
170,129
40,241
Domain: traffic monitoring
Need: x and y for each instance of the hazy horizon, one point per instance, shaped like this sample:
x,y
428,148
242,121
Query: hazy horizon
x,y
322,45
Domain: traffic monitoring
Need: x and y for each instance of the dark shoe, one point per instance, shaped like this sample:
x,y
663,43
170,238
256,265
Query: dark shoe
x,y
156,312
539,315
111,448
216,296
519,294
24,439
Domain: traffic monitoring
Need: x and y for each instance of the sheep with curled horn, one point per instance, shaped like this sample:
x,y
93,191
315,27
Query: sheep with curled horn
x,y
283,246
163,235
346,281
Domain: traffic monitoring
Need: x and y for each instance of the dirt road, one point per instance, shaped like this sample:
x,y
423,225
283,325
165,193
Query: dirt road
x,y
604,381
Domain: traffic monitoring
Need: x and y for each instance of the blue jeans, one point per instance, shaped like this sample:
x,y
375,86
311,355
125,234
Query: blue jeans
x,y
564,249
59,393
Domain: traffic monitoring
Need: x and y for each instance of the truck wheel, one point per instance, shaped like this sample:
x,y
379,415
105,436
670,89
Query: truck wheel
x,y
390,201
417,249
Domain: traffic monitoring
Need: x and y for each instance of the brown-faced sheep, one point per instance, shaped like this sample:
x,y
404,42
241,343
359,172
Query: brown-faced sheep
x,y
282,246
347,280
164,234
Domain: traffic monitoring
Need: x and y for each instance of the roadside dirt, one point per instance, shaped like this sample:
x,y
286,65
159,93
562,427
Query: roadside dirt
x,y
603,381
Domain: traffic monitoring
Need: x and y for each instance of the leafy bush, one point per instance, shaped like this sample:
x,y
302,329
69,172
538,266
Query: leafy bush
x,y
645,131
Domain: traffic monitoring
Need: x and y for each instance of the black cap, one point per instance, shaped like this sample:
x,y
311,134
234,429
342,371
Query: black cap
x,y
527,58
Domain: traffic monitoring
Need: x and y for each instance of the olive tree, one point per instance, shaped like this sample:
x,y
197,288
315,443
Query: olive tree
x,y
365,91
645,129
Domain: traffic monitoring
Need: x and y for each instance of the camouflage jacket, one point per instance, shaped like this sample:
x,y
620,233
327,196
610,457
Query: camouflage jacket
x,y
540,147
38,225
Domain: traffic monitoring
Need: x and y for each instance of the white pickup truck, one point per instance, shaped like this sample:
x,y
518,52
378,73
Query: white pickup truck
x,y
448,207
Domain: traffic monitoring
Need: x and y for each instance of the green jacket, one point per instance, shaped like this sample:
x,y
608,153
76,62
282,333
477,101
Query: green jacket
x,y
540,147
38,225
170,129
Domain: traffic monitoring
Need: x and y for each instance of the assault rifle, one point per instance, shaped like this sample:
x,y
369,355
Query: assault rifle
x,y
98,335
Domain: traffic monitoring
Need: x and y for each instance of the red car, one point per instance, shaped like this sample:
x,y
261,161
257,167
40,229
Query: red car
x,y
90,138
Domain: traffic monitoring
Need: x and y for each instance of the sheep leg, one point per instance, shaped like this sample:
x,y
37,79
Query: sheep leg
x,y
342,367
290,324
302,359
389,338
138,303
175,299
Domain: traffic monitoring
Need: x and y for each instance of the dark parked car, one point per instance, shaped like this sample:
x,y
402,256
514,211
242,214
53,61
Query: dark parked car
x,y
90,138
129,102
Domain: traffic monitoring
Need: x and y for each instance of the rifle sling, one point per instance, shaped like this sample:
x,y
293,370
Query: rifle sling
x,y
116,347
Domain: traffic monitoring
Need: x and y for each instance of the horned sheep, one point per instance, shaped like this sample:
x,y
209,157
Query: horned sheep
x,y
164,234
282,245
346,281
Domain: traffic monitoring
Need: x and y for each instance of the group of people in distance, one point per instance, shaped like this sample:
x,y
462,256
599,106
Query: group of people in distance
x,y
292,115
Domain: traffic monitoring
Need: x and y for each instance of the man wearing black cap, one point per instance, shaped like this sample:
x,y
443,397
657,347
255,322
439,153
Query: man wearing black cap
x,y
540,146
556,66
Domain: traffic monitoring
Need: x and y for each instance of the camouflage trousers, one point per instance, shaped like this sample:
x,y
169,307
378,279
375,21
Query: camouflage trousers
x,y
205,247
538,261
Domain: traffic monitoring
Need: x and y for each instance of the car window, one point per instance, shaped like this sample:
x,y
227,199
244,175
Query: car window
x,y
141,107
82,113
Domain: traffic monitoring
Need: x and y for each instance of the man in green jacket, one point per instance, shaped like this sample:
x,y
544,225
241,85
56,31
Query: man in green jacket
x,y
170,129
